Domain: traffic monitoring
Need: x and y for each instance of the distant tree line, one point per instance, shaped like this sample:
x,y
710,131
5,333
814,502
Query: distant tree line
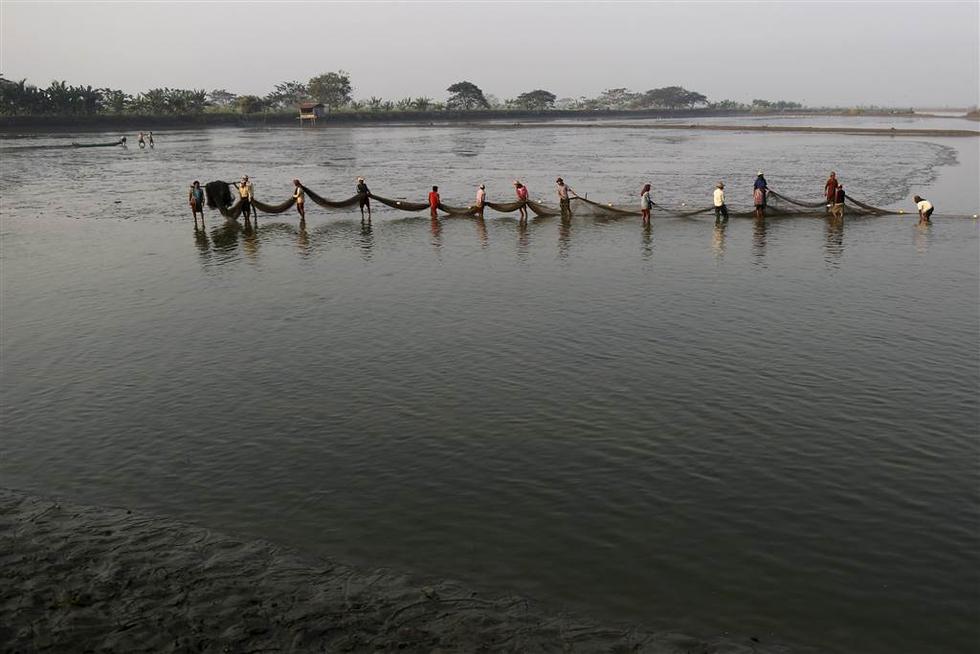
x,y
335,91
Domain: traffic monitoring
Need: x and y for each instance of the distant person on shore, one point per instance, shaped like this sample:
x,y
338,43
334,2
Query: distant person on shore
x,y
837,207
721,209
195,198
363,200
481,200
830,189
141,141
299,194
925,209
149,139
521,191
246,191
759,191
645,203
564,201
434,201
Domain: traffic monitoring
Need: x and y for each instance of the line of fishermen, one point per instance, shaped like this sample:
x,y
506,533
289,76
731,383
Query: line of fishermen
x,y
833,191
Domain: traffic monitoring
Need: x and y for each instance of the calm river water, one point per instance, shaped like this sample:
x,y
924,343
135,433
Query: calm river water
x,y
770,429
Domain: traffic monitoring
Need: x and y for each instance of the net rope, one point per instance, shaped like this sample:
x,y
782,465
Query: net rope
x,y
777,204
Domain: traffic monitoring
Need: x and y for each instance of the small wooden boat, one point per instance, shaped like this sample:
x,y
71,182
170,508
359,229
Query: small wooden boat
x,y
121,141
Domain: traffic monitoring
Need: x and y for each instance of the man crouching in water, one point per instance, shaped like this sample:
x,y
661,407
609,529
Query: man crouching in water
x,y
925,210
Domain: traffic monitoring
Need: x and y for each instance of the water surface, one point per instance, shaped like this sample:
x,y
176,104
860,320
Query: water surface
x,y
767,429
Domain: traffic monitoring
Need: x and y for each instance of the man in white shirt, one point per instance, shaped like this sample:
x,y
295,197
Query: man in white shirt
x,y
721,211
925,209
563,197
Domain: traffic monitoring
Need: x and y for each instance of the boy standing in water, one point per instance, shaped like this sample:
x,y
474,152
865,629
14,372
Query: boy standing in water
x,y
925,209
837,208
759,191
433,201
481,200
141,141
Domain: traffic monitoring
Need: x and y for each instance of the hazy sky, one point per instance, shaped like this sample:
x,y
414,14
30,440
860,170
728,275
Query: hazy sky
x,y
847,53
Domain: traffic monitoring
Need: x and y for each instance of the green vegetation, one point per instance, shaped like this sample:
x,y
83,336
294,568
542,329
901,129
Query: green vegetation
x,y
334,89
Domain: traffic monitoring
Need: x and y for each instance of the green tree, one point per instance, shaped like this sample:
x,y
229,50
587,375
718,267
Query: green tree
x,y
332,89
421,103
287,95
249,104
466,95
672,97
222,98
535,100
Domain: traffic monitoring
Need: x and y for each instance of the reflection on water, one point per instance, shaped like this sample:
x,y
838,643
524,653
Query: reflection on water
x,y
523,241
435,228
922,235
303,240
647,240
564,236
759,228
481,231
366,239
833,243
718,239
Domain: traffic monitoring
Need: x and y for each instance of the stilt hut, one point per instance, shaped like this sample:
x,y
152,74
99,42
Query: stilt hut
x,y
311,111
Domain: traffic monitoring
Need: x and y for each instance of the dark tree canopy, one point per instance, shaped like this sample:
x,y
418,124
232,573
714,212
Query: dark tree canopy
x,y
332,89
466,95
672,97
287,95
537,99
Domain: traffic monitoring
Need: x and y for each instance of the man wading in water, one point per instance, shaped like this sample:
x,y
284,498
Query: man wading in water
x,y
721,209
363,199
759,191
246,191
196,199
563,198
830,189
300,196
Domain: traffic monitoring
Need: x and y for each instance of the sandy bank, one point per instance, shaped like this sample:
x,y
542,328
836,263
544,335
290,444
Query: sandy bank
x,y
798,129
82,578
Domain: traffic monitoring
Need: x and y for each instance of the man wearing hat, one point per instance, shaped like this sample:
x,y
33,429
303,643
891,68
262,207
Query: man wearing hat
x,y
721,210
363,199
759,192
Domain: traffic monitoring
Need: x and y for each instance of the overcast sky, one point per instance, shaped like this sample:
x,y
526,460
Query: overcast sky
x,y
839,53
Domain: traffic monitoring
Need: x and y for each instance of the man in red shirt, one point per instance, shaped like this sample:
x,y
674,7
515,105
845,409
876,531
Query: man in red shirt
x,y
433,201
830,189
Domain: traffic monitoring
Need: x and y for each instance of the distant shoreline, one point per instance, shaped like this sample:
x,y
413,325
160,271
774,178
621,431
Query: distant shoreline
x,y
85,577
32,124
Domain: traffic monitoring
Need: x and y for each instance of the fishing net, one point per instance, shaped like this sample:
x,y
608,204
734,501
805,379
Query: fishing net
x,y
220,197
218,194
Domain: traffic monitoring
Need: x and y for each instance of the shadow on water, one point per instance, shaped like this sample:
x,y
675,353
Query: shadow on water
x,y
833,244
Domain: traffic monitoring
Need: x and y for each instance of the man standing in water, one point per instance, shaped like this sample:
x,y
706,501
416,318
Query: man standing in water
x,y
149,139
246,192
196,199
925,209
300,196
759,191
830,189
481,200
564,202
721,209
363,200
434,201
141,141
521,191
